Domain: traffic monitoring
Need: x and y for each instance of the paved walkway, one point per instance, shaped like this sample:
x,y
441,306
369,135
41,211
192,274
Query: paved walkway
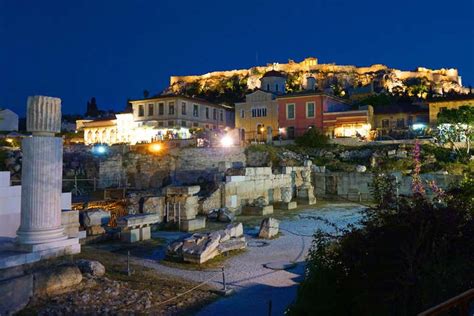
x,y
256,285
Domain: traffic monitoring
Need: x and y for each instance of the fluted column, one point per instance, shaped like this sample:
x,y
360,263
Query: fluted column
x,y
41,178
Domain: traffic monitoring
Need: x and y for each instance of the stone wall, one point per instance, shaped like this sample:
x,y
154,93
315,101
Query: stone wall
x,y
356,186
178,166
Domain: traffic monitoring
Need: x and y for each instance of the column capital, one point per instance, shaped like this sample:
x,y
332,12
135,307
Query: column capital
x,y
43,117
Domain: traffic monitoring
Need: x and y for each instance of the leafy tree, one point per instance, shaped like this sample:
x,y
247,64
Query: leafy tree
x,y
312,138
456,125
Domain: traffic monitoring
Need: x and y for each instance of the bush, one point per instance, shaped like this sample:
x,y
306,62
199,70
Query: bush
x,y
401,261
312,138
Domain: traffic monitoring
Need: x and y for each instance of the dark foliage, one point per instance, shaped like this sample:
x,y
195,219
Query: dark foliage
x,y
400,261
312,138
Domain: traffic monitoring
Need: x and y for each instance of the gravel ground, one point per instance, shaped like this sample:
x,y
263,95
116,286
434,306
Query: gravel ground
x,y
254,284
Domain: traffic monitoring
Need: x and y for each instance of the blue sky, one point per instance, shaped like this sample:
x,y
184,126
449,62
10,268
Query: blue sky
x,y
115,49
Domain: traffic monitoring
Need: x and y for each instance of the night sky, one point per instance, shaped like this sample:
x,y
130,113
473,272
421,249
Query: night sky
x,y
115,49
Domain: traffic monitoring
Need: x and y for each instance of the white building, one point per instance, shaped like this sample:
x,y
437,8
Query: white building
x,y
8,120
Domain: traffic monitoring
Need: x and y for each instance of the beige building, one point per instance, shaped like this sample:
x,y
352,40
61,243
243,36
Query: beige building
x,y
176,112
435,106
257,117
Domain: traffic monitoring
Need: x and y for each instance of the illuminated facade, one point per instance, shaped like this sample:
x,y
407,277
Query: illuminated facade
x,y
437,105
299,112
160,118
398,119
258,115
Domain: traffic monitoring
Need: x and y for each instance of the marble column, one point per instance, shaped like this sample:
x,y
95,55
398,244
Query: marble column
x,y
41,180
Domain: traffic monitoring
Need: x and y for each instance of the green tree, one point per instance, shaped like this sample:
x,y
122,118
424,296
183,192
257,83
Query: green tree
x,y
312,138
456,125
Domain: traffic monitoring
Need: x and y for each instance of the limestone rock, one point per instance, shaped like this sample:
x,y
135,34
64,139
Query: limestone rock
x,y
56,281
92,267
225,215
269,228
95,217
232,244
235,230
286,194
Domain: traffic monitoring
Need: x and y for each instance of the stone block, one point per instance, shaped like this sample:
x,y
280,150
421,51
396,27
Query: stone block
x,y
249,171
269,228
232,244
193,224
95,230
145,233
54,281
154,204
131,235
15,294
185,190
95,217
138,220
235,230
234,178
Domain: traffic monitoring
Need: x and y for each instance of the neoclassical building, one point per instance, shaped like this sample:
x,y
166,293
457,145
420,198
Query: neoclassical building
x,y
257,117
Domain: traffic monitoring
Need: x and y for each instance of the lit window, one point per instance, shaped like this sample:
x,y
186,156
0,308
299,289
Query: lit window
x,y
141,110
161,108
150,109
310,109
171,108
183,108
196,110
290,111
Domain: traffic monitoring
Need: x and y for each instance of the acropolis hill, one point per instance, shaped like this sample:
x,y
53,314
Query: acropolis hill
x,y
440,81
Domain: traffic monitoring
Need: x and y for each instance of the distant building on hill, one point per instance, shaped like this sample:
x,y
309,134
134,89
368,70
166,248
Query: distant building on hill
x,y
8,120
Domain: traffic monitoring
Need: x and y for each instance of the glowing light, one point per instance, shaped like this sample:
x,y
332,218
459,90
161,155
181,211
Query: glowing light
x,y
9,140
262,129
227,141
418,126
155,147
99,149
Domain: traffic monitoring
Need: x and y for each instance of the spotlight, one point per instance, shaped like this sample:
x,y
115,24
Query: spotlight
x,y
99,149
227,141
154,148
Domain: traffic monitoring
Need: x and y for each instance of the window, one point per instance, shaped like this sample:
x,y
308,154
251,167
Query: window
x,y
196,124
290,111
170,123
161,124
276,87
171,108
259,129
222,116
141,110
207,112
259,112
150,109
183,123
183,108
385,124
268,87
310,109
196,110
242,113
161,108
410,120
214,114
400,123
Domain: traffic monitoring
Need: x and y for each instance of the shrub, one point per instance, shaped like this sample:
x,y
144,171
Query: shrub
x,y
400,261
312,138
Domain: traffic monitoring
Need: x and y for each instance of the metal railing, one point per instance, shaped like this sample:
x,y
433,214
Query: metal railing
x,y
463,304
